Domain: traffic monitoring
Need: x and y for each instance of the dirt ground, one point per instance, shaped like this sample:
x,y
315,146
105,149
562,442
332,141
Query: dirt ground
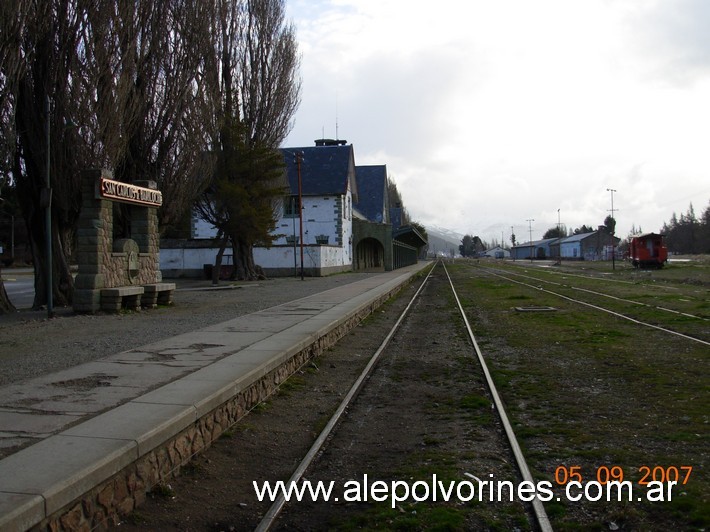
x,y
423,412
31,345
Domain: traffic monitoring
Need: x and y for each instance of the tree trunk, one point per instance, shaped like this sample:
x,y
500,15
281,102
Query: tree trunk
x,y
244,265
6,306
62,280
30,171
218,261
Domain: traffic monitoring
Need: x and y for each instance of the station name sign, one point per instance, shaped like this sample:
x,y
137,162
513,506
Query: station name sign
x,y
127,193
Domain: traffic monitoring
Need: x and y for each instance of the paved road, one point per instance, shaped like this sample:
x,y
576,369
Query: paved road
x,y
19,284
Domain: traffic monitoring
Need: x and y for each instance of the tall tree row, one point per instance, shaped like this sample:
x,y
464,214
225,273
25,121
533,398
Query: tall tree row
x,y
136,86
258,91
688,233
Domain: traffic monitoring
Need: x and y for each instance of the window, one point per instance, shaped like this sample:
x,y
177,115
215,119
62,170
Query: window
x,y
291,207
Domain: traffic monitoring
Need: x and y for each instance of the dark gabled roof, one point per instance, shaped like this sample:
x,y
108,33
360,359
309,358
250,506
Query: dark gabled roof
x,y
372,192
324,170
583,236
535,243
578,237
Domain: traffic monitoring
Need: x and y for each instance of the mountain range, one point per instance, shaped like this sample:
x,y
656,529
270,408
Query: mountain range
x,y
443,241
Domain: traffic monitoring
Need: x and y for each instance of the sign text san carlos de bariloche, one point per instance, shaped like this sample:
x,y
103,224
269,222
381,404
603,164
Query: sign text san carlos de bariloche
x,y
127,193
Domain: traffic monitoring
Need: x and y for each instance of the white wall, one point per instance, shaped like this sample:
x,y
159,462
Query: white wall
x,y
176,260
314,257
322,215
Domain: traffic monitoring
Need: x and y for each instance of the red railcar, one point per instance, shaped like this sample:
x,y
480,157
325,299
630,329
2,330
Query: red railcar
x,y
648,251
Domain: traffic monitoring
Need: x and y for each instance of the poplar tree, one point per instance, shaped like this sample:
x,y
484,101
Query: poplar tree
x,y
258,88
119,84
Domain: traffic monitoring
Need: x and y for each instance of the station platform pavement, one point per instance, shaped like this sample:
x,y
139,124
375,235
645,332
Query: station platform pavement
x,y
125,406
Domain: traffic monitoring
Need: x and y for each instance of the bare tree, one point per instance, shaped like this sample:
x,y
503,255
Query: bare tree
x,y
141,87
42,96
268,70
125,85
154,119
258,90
13,17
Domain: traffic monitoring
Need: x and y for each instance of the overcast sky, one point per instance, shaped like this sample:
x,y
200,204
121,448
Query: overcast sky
x,y
488,113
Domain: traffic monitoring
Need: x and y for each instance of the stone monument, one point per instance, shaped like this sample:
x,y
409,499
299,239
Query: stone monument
x,y
124,273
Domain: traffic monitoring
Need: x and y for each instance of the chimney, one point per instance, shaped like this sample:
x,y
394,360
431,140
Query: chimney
x,y
330,142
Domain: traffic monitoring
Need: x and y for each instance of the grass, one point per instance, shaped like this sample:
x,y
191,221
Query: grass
x,y
292,384
406,517
586,388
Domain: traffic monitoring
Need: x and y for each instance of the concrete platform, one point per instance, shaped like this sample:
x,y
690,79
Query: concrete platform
x,y
86,425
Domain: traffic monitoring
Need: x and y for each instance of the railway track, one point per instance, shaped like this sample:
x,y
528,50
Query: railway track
x,y
587,394
538,517
511,276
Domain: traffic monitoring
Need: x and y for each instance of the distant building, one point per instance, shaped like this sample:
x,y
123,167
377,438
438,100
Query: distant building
x,y
588,246
537,249
497,253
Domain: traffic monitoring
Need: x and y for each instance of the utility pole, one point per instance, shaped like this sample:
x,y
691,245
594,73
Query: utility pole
x,y
293,223
613,229
559,238
299,160
47,200
530,221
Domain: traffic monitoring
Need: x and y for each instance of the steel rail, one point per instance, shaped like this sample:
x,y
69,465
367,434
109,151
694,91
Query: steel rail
x,y
664,309
538,508
602,294
597,307
276,507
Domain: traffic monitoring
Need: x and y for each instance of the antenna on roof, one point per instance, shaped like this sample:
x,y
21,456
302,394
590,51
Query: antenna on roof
x,y
336,115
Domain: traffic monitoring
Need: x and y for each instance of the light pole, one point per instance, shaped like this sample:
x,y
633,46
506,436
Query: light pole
x,y
293,213
559,238
299,159
613,228
530,221
47,200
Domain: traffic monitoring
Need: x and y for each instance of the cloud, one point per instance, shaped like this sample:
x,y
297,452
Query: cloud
x,y
490,113
672,38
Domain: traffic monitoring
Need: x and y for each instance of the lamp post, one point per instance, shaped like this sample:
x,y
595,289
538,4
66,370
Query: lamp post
x,y
613,229
530,221
293,213
299,159
47,200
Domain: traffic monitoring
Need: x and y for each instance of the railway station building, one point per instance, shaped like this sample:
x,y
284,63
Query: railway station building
x,y
344,223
